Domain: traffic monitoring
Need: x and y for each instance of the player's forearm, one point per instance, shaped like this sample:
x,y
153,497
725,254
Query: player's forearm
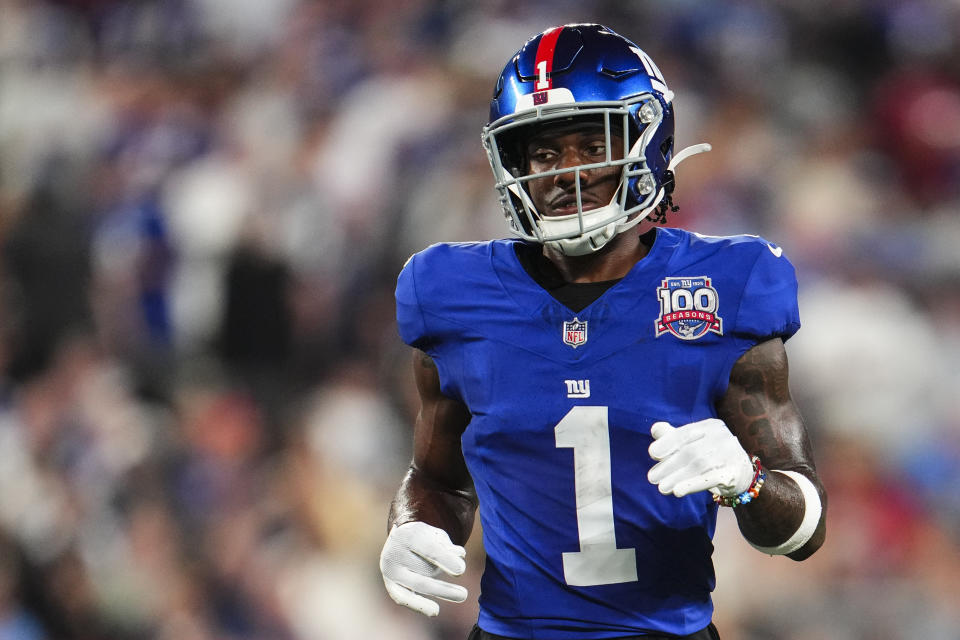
x,y
758,409
423,499
778,513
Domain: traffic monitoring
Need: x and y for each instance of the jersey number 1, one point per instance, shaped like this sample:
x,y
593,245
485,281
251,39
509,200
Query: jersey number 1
x,y
599,561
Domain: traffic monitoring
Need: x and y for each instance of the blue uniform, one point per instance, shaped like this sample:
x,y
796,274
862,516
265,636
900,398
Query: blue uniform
x,y
579,544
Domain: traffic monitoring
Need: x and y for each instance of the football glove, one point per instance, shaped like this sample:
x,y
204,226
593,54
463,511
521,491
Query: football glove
x,y
414,554
698,456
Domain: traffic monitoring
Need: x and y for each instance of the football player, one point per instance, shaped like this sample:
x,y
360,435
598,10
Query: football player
x,y
601,384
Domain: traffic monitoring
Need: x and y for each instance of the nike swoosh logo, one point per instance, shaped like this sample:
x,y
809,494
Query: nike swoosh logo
x,y
777,251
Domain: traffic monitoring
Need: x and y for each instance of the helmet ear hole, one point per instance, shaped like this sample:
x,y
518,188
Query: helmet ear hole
x,y
666,147
668,182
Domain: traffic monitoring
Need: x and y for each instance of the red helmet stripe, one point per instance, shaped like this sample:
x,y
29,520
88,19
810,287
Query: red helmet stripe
x,y
544,61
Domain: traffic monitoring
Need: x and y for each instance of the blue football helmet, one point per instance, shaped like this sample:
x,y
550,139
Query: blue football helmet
x,y
573,72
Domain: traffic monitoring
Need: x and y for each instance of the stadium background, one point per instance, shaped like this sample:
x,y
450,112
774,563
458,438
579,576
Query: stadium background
x,y
204,407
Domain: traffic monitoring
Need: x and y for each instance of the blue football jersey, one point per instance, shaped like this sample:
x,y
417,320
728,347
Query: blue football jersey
x,y
579,544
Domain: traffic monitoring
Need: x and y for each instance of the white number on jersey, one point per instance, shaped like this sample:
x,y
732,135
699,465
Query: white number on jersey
x,y
599,561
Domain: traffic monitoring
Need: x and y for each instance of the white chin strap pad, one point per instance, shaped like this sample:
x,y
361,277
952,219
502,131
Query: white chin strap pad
x,y
583,244
587,243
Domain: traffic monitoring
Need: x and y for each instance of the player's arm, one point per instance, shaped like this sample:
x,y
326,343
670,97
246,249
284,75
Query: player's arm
x,y
432,514
437,488
758,409
786,514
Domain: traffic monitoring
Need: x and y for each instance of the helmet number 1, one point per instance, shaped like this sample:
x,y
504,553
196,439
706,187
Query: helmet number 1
x,y
542,81
586,430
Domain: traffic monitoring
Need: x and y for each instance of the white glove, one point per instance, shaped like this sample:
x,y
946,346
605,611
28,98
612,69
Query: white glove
x,y
698,456
414,554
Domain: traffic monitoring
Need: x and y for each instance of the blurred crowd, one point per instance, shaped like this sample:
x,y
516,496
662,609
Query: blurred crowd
x,y
204,204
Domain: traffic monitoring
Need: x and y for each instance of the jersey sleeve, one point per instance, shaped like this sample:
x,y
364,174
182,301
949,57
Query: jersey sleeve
x,y
768,306
411,324
423,314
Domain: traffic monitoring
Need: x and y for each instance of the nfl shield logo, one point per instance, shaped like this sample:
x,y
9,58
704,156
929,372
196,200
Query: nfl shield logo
x,y
575,332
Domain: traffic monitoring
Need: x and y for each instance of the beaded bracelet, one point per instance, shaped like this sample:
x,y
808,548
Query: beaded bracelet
x,y
759,477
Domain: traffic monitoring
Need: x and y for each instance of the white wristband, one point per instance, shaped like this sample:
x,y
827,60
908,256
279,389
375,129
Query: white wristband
x,y
811,517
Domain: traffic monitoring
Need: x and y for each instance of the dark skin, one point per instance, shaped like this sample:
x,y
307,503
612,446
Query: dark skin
x,y
437,489
556,196
756,407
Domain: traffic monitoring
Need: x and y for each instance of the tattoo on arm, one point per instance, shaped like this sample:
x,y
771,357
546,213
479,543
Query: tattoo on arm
x,y
758,409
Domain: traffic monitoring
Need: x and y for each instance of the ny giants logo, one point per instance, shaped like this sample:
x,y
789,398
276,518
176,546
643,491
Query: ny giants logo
x,y
688,308
577,388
